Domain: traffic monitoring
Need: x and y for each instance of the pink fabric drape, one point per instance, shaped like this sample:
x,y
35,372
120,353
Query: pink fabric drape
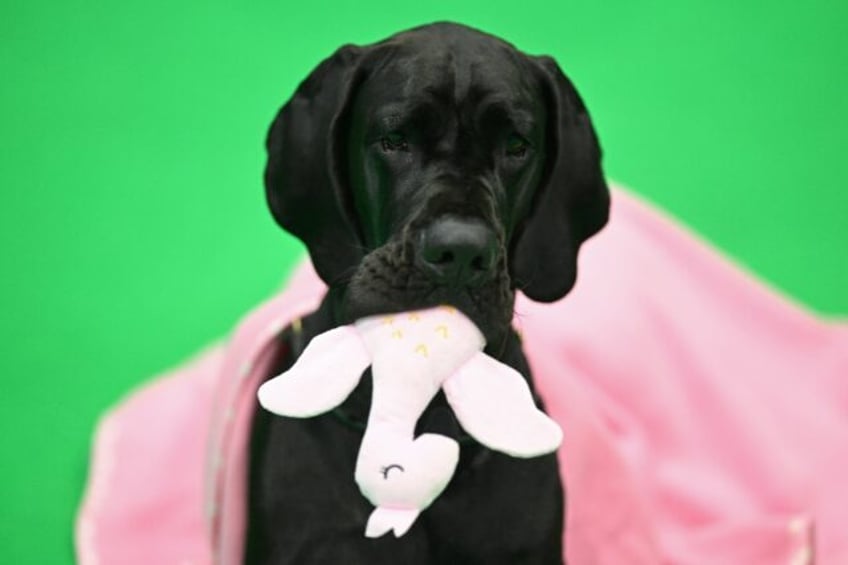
x,y
705,418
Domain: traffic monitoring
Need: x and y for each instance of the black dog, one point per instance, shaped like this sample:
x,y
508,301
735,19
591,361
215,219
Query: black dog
x,y
440,166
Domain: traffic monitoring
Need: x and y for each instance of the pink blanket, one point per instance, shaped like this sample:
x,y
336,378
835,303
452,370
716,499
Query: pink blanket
x,y
705,419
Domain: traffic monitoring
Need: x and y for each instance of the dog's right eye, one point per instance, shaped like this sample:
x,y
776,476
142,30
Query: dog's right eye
x,y
394,142
516,146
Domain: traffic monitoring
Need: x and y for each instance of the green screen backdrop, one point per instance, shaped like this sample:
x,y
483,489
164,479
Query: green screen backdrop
x,y
131,149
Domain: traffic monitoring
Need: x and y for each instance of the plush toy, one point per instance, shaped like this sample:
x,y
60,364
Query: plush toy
x,y
412,355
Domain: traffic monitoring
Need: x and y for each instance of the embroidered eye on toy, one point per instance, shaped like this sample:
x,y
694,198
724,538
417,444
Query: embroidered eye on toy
x,y
412,355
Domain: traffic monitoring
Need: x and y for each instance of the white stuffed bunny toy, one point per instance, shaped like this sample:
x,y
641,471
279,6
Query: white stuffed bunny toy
x,y
412,355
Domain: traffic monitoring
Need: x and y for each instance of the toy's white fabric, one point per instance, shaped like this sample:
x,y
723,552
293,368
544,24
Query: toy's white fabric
x,y
412,355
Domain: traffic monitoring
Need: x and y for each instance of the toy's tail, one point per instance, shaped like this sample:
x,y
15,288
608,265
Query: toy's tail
x,y
383,520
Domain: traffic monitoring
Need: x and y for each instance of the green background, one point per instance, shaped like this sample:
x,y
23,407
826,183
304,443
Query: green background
x,y
132,218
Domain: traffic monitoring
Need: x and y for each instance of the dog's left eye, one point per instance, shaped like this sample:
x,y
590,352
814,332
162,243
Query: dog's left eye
x,y
516,146
394,141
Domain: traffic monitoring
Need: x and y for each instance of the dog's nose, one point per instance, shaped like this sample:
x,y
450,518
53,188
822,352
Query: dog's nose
x,y
458,251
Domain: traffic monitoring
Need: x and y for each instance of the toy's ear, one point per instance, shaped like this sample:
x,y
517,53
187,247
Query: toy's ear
x,y
572,200
493,403
305,182
322,377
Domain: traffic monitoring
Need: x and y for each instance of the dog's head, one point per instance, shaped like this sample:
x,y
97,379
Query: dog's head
x,y
441,165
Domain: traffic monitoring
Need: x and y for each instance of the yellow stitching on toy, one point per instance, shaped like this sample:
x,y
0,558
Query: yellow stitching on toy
x,y
449,309
422,349
397,334
389,320
442,329
414,317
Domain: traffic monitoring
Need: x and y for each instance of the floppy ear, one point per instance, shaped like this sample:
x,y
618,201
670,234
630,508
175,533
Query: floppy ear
x,y
304,175
572,200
